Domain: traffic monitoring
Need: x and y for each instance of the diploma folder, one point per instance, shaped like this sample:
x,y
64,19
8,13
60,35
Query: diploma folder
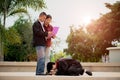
x,y
55,30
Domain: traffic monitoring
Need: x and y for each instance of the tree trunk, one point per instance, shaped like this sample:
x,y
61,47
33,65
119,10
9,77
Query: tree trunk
x,y
5,12
4,21
3,33
1,52
1,44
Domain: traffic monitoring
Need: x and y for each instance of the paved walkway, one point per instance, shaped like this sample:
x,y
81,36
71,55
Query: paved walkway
x,y
31,76
95,74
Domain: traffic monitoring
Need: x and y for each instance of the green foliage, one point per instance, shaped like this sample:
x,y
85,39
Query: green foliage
x,y
15,53
12,7
107,28
32,57
58,55
18,11
90,45
34,4
81,46
18,44
12,36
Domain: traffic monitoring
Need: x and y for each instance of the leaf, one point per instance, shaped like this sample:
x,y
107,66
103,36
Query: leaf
x,y
12,36
18,11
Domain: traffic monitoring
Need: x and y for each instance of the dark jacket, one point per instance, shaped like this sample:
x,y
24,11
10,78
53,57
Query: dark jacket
x,y
69,67
39,35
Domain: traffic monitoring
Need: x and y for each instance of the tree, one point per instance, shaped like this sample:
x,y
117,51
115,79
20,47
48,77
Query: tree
x,y
13,7
81,45
12,39
1,43
91,45
20,49
24,28
107,27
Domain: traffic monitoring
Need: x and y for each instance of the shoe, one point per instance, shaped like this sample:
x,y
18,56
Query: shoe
x,y
89,73
40,74
48,73
80,71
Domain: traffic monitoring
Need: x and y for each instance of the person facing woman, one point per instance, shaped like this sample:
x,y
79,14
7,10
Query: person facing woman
x,y
48,28
39,42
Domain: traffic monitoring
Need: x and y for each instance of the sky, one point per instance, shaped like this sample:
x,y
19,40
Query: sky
x,y
70,12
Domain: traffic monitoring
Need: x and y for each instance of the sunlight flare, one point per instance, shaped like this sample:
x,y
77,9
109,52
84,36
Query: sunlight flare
x,y
86,20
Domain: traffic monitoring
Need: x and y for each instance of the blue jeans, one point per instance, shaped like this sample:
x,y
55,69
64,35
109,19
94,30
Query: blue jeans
x,y
40,60
47,57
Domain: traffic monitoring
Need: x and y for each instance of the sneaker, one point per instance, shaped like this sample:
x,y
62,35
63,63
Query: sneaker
x,y
40,74
89,73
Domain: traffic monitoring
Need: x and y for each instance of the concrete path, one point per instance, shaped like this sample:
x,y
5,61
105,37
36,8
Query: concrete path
x,y
32,76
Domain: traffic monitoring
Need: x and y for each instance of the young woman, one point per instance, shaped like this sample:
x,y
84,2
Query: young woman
x,y
48,28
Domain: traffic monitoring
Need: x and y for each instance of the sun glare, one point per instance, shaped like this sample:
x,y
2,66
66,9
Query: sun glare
x,y
86,20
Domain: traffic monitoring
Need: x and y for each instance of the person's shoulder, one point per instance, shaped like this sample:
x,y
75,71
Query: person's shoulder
x,y
36,22
50,26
